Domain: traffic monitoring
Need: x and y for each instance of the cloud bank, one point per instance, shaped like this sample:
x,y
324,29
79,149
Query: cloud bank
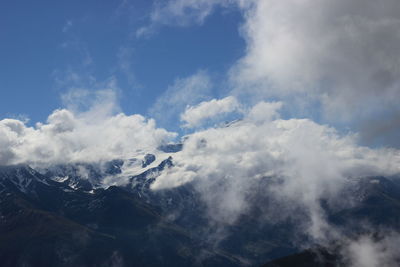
x,y
313,160
295,162
96,134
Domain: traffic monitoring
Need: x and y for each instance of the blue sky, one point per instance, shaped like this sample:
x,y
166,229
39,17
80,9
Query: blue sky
x,y
334,62
43,42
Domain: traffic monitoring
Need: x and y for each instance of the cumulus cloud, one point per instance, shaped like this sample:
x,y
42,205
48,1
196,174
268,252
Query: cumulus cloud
x,y
264,111
183,92
228,164
96,134
194,116
341,52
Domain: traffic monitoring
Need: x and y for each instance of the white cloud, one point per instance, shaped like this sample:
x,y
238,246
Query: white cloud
x,y
95,134
227,165
194,116
183,92
342,53
368,251
264,111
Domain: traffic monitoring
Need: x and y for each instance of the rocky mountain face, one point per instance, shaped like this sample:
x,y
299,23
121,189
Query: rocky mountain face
x,y
65,215
48,224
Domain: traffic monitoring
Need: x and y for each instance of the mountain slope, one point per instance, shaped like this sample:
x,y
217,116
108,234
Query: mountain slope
x,y
51,225
47,220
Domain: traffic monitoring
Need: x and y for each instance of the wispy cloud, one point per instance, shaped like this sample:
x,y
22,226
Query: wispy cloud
x,y
68,24
369,251
180,13
183,92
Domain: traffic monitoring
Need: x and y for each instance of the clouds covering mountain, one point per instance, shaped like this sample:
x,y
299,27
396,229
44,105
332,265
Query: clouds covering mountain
x,y
70,136
297,163
282,147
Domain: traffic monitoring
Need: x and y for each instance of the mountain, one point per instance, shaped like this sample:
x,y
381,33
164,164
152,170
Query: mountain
x,y
375,206
77,214
375,201
315,257
46,223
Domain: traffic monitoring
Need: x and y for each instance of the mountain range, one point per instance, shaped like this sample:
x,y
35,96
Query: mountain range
x,y
80,214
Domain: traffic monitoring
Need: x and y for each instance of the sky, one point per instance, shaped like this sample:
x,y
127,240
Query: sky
x,y
335,64
49,48
183,66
